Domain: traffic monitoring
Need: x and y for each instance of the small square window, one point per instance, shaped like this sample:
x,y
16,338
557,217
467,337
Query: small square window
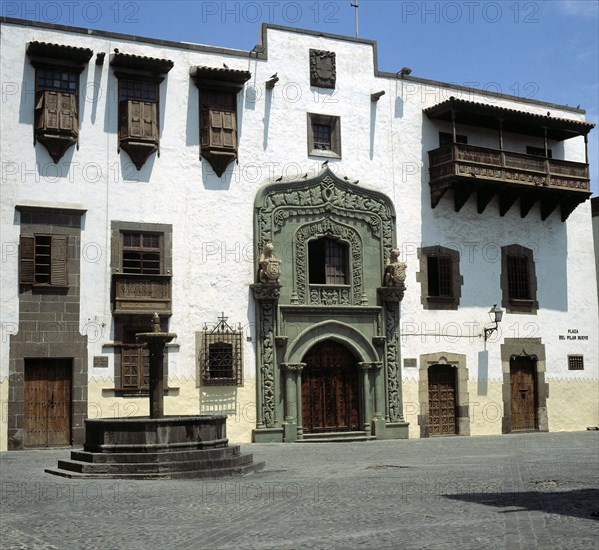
x,y
324,136
220,358
575,362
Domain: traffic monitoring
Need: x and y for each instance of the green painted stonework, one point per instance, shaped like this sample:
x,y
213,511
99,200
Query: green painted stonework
x,y
299,315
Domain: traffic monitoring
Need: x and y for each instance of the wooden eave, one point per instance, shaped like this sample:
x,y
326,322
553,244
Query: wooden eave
x,y
131,62
219,78
481,115
45,54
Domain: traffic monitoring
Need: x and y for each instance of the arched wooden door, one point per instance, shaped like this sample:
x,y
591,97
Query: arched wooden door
x,y
523,392
330,389
441,400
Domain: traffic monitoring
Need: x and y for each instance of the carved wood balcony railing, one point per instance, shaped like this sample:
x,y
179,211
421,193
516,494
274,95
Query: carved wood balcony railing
x,y
141,293
467,168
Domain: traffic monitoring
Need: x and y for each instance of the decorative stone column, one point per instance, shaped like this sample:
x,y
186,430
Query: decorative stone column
x,y
266,296
391,297
366,416
292,400
298,400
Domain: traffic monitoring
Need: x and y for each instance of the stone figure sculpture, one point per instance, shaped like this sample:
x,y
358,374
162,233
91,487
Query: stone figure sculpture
x,y
270,266
395,270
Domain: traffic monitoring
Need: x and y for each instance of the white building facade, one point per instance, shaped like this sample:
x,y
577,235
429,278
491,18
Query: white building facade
x,y
140,175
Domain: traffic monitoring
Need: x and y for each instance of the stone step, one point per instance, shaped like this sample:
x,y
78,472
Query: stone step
x,y
336,437
185,474
166,465
177,456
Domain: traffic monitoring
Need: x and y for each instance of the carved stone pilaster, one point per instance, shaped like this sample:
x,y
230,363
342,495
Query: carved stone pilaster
x,y
391,296
266,296
292,400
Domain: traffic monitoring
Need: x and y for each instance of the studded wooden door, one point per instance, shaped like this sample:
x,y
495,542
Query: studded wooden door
x,y
47,402
330,390
522,386
441,400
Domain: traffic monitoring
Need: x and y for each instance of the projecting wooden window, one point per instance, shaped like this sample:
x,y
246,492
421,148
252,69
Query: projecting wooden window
x,y
142,253
440,277
327,262
218,121
57,70
518,279
446,139
43,260
575,362
324,135
139,103
220,357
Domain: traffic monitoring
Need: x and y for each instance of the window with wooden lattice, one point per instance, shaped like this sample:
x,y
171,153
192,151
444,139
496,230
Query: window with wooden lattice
x,y
44,260
139,104
327,262
57,72
220,354
218,89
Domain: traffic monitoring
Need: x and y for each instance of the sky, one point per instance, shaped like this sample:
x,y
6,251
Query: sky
x,y
545,49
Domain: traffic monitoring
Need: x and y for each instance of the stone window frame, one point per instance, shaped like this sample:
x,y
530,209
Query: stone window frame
x,y
454,360
457,280
512,305
335,124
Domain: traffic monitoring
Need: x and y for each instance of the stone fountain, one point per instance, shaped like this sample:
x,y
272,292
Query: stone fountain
x,y
157,446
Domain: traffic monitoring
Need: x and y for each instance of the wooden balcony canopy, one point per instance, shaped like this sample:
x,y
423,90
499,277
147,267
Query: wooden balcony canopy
x,y
512,176
139,63
510,120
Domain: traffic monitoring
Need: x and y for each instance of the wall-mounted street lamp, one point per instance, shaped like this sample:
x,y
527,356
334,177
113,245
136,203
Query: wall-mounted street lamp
x,y
495,313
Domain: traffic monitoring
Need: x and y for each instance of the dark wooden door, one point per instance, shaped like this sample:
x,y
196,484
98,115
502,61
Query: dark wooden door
x,y
441,400
522,385
330,390
47,402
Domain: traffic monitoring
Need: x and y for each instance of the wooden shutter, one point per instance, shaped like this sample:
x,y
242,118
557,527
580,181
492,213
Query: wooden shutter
x,y
149,127
51,110
68,112
134,128
27,260
216,128
59,254
228,119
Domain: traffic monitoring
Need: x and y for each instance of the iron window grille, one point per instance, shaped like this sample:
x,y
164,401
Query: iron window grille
x,y
575,362
327,262
221,359
439,276
518,280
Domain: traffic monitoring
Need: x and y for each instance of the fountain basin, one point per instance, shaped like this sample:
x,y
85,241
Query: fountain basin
x,y
144,434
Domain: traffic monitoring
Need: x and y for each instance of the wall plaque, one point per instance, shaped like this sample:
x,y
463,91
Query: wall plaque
x,y
100,362
409,363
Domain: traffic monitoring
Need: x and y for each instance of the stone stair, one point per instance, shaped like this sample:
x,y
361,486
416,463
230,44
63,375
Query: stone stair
x,y
196,463
336,437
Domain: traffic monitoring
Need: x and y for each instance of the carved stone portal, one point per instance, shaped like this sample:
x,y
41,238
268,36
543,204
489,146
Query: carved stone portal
x,y
323,71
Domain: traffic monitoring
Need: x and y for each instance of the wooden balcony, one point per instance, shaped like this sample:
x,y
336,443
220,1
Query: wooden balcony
x,y
134,294
467,169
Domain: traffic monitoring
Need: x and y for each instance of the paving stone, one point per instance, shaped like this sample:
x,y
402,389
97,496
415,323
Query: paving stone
x,y
536,490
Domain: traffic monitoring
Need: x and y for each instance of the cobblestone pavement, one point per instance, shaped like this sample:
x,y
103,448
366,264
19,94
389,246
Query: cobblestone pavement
x,y
538,490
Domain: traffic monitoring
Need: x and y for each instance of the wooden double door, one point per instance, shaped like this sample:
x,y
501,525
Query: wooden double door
x,y
47,402
523,393
442,400
330,389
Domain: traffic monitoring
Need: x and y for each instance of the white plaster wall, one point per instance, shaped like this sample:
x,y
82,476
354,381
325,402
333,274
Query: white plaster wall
x,y
384,145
